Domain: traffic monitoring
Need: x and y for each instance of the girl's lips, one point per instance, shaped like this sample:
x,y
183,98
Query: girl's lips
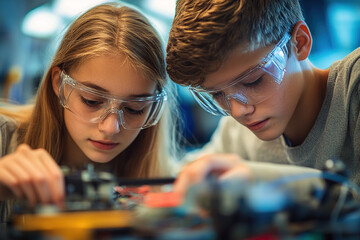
x,y
257,125
103,145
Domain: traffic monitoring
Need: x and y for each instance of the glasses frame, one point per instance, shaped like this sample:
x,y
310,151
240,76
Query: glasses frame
x,y
212,107
160,98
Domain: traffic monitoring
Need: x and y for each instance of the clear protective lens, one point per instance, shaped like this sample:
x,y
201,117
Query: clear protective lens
x,y
253,86
94,106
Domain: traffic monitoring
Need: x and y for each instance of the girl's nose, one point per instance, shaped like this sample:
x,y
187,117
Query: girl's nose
x,y
110,124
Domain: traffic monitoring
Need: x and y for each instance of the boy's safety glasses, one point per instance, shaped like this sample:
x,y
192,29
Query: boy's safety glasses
x,y
95,106
251,87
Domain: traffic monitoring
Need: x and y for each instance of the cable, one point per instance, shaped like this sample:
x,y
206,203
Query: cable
x,y
322,175
336,212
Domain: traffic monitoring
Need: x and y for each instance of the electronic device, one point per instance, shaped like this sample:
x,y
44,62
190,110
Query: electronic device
x,y
100,206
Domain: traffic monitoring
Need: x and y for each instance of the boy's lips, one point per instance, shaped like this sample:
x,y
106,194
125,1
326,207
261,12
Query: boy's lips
x,y
103,145
256,125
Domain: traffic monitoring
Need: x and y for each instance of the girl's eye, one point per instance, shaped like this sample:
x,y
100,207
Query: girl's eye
x,y
92,103
133,111
254,83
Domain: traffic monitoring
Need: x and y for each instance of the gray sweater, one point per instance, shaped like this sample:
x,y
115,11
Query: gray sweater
x,y
8,144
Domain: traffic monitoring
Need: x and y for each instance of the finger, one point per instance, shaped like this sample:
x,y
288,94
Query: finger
x,y
48,179
181,184
56,176
241,172
23,180
9,181
229,166
222,161
194,172
38,174
191,174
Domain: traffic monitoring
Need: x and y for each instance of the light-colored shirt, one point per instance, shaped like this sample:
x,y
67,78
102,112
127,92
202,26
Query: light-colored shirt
x,y
8,143
335,134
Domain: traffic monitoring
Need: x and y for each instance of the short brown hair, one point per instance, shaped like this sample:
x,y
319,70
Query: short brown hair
x,y
204,31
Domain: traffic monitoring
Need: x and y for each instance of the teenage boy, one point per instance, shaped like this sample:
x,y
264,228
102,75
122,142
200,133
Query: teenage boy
x,y
248,59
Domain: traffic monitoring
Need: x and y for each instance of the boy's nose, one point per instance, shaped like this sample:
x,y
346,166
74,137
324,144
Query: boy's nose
x,y
239,109
110,124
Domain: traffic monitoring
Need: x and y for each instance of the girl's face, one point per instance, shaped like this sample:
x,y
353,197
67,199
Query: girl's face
x,y
103,141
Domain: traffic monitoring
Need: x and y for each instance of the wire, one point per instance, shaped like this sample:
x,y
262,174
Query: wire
x,y
339,205
144,181
322,175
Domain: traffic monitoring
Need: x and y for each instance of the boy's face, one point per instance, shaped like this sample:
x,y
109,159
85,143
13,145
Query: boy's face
x,y
268,118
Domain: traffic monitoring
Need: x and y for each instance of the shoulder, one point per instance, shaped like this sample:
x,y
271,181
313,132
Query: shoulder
x,y
347,70
346,91
344,81
352,64
351,60
8,128
7,123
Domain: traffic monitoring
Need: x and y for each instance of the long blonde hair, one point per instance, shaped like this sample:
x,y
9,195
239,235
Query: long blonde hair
x,y
106,29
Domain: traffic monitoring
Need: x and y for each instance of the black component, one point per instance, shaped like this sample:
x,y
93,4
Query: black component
x,y
145,181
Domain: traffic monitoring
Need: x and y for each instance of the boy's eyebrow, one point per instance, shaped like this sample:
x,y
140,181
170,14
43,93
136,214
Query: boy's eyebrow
x,y
96,87
245,72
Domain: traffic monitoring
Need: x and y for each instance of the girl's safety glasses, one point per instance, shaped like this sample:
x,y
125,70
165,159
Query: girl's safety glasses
x,y
251,87
94,106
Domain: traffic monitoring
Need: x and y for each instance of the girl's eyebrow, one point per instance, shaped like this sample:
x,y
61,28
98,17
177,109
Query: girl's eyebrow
x,y
98,88
94,86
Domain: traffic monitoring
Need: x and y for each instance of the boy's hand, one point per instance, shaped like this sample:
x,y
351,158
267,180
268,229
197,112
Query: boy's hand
x,y
225,166
33,175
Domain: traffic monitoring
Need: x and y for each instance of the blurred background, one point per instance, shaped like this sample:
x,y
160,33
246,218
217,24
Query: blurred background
x,y
30,31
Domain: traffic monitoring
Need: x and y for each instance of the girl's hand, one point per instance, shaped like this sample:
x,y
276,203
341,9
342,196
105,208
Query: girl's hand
x,y
33,175
225,166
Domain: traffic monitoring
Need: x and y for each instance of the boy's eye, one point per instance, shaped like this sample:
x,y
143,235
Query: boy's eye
x,y
217,95
254,83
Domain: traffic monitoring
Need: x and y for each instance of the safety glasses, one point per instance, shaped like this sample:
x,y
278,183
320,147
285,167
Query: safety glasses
x,y
95,106
251,87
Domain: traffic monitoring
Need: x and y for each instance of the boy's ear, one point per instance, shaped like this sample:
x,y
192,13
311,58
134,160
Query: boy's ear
x,y
55,77
302,40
